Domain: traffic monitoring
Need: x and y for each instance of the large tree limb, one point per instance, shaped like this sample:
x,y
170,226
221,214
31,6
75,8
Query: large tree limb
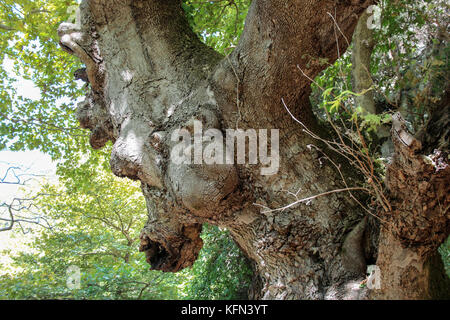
x,y
278,36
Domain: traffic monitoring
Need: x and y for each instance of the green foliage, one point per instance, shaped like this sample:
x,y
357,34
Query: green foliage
x,y
95,226
29,46
409,67
96,222
444,250
221,271
334,79
410,60
371,122
218,23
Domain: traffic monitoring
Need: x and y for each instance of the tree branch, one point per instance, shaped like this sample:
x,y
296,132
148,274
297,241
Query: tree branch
x,y
277,36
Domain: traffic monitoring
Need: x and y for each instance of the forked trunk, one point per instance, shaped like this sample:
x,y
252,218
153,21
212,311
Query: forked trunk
x,y
150,76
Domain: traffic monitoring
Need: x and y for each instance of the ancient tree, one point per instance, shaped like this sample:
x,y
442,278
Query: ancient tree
x,y
149,75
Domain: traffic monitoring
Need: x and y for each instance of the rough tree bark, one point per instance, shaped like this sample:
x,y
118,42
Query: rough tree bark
x,y
150,74
363,44
418,184
418,188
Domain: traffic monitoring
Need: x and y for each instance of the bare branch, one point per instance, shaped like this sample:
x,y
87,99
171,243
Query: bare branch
x,y
310,198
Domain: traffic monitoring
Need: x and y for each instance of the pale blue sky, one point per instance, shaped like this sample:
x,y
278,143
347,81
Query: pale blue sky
x,y
29,162
36,161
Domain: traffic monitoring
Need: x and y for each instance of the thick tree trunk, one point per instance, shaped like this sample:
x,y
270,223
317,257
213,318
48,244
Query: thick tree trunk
x,y
419,190
410,266
150,75
406,274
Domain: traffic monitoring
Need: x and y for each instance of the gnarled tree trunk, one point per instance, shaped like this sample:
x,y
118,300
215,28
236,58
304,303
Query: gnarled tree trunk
x,y
419,189
150,75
